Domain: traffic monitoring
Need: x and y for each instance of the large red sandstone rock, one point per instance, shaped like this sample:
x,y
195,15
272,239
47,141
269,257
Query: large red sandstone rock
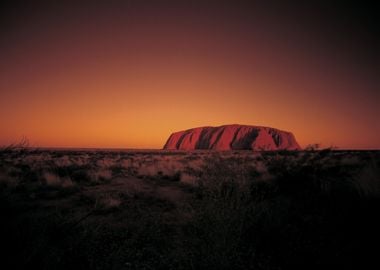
x,y
232,137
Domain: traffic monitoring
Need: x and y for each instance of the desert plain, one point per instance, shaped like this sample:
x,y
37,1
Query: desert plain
x,y
161,209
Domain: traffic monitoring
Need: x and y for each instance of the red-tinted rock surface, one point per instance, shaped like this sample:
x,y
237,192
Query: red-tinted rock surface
x,y
232,137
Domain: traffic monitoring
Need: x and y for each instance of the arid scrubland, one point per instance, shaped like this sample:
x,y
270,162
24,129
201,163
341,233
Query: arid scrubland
x,y
94,209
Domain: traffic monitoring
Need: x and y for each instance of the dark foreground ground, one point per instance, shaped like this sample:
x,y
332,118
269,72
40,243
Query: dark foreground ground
x,y
189,210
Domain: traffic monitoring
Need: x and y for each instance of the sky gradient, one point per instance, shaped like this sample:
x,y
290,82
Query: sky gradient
x,y
125,74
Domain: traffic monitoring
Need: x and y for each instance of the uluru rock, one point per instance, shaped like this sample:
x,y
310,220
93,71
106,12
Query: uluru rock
x,y
232,137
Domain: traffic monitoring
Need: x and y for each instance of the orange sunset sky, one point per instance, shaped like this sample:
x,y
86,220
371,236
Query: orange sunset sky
x,y
126,74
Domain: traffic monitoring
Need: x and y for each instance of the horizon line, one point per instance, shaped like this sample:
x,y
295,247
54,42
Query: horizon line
x,y
179,150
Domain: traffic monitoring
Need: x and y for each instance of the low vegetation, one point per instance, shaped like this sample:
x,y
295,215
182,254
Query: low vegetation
x,y
196,210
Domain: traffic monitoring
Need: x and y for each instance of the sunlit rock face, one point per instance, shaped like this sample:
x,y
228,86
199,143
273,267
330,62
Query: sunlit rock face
x,y
232,137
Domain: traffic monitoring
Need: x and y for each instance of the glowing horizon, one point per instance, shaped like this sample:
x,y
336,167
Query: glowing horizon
x,y
127,76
